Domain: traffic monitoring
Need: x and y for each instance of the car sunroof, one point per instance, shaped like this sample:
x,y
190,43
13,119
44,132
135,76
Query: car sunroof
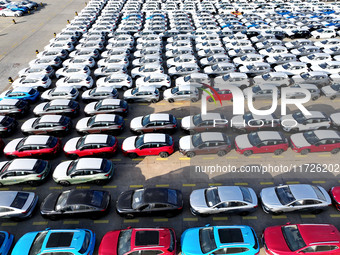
x,y
146,238
60,239
230,235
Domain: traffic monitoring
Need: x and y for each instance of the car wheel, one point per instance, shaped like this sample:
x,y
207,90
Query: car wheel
x,y
164,154
16,15
64,183
100,182
171,100
248,153
243,87
129,216
130,100
33,183
163,88
132,155
315,98
124,88
1,185
304,152
194,100
318,37
277,213
278,152
332,97
221,153
153,101
53,217
3,15
335,151
317,211
191,154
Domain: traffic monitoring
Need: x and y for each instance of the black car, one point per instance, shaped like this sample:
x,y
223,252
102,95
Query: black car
x,y
252,33
13,107
302,33
75,203
7,125
150,201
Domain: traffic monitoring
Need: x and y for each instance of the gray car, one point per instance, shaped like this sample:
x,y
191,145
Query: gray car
x,y
335,118
142,94
108,105
317,78
63,92
312,88
101,123
181,93
99,93
57,106
17,205
331,91
295,197
223,199
31,171
261,92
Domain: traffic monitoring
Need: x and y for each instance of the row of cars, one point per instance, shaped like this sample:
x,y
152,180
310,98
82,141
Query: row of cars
x,y
16,8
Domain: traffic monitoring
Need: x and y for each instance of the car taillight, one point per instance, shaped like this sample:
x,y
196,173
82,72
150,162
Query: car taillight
x,y
180,208
19,110
5,128
119,126
107,175
87,82
44,82
40,175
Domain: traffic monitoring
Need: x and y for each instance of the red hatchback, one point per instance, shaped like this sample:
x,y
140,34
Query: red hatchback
x,y
225,95
33,146
335,195
321,239
261,142
139,240
91,145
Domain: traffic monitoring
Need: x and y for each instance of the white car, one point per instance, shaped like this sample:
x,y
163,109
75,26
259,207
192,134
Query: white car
x,y
248,59
237,43
330,67
183,69
182,59
63,92
177,52
39,82
272,78
52,61
237,79
110,69
214,59
157,79
255,68
9,13
118,81
274,51
147,59
328,43
268,43
316,58
292,68
178,45
60,45
194,78
116,52
148,51
181,93
331,91
324,33
335,50
220,68
37,70
298,121
211,51
117,60
73,70
240,51
299,43
142,94
83,82
61,53
305,50
81,60
146,70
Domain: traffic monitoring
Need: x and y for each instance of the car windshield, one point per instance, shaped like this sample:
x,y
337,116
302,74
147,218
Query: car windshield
x,y
37,243
256,89
207,240
211,197
293,237
187,78
61,202
146,120
139,141
137,198
311,137
299,117
134,91
197,119
124,242
211,58
246,194
284,195
174,90
254,138
197,140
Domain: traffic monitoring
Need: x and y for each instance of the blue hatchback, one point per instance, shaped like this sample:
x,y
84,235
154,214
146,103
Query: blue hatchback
x,y
24,93
6,240
220,240
56,241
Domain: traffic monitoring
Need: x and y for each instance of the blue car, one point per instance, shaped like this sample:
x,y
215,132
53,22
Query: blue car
x,y
17,8
24,93
6,240
56,241
220,240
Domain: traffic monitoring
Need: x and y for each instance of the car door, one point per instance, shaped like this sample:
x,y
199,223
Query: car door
x,y
320,249
40,129
27,151
77,177
261,147
8,178
86,150
5,212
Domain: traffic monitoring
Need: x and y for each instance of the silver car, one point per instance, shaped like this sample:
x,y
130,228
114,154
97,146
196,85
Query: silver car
x,y
83,170
295,197
331,91
223,199
63,92
101,123
31,171
142,94
181,93
17,205
99,93
317,78
312,88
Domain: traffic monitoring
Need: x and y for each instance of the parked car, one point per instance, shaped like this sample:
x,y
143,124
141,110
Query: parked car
x,y
76,203
7,241
107,106
39,82
145,239
155,122
335,118
82,82
324,33
63,92
150,201
142,94
250,122
17,205
83,170
272,78
223,199
317,78
17,171
22,93
100,123
37,70
118,81
330,67
74,241
255,68
240,80
299,121
261,142
204,122
334,194
331,91
292,68
57,106
7,125
180,93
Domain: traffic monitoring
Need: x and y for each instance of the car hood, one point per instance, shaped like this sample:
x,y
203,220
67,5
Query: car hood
x,y
90,107
335,117
82,123
61,170
12,145
275,240
28,124
124,200
167,93
129,143
237,121
109,243
299,140
242,142
128,93
2,164
269,197
328,90
187,123
190,242
86,94
49,202
71,145
20,247
197,199
39,108
45,94
185,143
136,123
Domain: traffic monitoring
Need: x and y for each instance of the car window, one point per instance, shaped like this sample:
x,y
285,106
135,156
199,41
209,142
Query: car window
x,y
150,252
320,248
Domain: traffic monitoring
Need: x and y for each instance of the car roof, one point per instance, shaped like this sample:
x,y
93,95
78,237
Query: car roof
x,y
7,197
211,116
186,87
233,234
318,233
149,138
37,139
154,195
111,101
105,117
22,164
59,102
95,138
104,89
236,75
269,135
63,239
230,193
22,89
324,134
315,114
146,88
159,117
80,196
303,191
9,101
63,89
89,163
212,136
50,118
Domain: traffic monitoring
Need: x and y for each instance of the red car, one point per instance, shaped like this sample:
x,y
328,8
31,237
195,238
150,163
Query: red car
x,y
321,239
316,141
147,145
225,94
135,240
90,145
33,146
261,142
335,195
